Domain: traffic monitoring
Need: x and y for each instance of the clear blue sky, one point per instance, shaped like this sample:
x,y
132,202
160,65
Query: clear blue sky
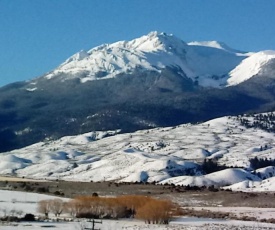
x,y
38,35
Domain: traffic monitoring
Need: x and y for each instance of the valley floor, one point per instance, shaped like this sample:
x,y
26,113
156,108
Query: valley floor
x,y
27,203
183,223
178,194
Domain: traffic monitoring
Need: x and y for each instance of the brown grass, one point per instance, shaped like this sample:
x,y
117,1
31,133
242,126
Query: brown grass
x,y
142,207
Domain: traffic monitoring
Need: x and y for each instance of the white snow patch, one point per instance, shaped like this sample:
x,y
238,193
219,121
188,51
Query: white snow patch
x,y
250,67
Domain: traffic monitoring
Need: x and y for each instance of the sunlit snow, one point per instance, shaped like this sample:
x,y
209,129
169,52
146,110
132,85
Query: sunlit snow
x,y
250,67
208,63
165,155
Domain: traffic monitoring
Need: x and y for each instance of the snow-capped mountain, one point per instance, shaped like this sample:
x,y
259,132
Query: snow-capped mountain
x,y
208,63
152,81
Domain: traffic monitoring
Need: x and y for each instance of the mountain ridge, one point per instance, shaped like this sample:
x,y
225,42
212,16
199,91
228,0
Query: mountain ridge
x,y
68,103
153,52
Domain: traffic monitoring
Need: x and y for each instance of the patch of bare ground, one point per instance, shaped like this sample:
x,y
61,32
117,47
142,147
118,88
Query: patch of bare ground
x,y
184,196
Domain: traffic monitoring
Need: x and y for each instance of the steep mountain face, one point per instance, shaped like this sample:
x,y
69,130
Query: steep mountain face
x,y
256,64
153,52
155,80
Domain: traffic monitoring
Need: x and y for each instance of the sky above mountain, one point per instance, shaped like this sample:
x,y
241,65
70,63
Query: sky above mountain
x,y
37,36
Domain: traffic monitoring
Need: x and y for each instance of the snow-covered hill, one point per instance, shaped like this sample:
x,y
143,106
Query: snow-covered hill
x,y
221,178
250,67
207,63
166,155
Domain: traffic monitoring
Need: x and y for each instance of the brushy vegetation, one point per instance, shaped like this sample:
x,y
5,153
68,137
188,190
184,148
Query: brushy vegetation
x,y
152,211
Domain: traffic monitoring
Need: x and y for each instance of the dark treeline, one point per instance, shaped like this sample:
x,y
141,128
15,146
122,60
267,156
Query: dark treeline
x,y
257,163
262,121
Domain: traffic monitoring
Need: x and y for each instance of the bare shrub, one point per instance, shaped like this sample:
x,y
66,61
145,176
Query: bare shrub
x,y
146,208
73,207
100,207
114,209
90,206
133,202
44,207
56,206
156,212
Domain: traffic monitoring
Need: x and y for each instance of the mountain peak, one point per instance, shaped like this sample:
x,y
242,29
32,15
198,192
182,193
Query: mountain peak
x,y
77,57
161,35
153,51
157,34
157,41
199,61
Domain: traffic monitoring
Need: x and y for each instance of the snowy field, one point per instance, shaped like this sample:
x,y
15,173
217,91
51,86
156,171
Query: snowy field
x,y
27,203
183,223
24,202
160,154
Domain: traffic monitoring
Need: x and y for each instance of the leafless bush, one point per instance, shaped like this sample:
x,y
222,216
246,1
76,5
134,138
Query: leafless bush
x,y
99,207
73,207
56,206
44,207
156,212
146,208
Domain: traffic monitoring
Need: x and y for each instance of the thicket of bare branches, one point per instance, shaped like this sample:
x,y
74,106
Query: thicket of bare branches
x,y
44,207
73,207
156,212
98,207
55,206
146,208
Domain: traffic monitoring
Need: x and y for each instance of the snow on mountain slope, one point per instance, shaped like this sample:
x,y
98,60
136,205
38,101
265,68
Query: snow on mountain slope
x,y
217,45
221,178
11,162
148,155
154,52
150,52
267,184
250,67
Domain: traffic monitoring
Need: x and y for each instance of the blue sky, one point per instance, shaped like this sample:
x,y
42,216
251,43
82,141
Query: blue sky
x,y
38,35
